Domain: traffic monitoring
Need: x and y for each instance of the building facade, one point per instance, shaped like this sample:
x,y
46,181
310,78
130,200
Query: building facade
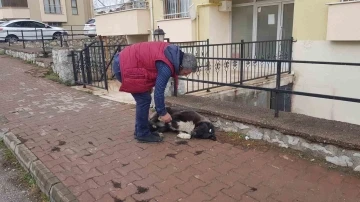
x,y
323,30
53,12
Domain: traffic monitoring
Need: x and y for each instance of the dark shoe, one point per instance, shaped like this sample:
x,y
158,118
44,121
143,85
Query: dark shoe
x,y
152,138
154,133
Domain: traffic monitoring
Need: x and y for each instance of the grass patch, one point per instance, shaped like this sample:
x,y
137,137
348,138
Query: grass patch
x,y
236,135
24,177
51,75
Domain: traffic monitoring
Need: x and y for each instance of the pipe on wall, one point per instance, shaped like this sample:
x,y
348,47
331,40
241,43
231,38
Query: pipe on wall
x,y
152,20
198,17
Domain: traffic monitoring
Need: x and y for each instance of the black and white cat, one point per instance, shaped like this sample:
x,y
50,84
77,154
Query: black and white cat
x,y
189,124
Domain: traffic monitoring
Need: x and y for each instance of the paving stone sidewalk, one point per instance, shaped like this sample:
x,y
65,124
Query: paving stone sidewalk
x,y
87,142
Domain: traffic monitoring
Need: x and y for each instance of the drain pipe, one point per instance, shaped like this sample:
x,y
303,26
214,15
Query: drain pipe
x,y
152,20
198,16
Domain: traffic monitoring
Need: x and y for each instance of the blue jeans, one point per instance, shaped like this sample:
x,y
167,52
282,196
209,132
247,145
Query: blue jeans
x,y
143,101
116,67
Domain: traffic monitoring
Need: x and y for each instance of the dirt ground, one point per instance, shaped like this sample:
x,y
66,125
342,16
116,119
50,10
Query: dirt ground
x,y
238,140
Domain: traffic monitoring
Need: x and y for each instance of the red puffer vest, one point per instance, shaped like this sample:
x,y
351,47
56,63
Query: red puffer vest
x,y
137,63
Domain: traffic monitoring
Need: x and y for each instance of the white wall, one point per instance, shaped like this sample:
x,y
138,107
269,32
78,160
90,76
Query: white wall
x,y
341,26
327,79
131,22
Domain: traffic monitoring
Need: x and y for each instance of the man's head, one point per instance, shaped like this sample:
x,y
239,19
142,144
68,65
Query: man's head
x,y
188,64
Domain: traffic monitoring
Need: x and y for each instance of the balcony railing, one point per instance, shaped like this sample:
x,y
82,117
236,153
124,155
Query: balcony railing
x,y
52,9
122,7
176,9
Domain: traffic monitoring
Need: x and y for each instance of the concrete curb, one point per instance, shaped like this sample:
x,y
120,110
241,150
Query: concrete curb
x,y
45,179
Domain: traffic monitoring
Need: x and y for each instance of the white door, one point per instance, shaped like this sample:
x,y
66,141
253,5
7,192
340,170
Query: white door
x,y
273,22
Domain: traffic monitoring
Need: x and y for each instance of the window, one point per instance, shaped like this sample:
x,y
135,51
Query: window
x,y
13,3
32,24
15,24
176,9
91,21
74,7
54,24
52,7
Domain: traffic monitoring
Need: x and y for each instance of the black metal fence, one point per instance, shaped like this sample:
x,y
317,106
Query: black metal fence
x,y
277,90
16,37
89,65
92,65
225,69
218,62
220,65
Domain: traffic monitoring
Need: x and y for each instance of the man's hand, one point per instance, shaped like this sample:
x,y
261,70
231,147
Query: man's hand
x,y
166,118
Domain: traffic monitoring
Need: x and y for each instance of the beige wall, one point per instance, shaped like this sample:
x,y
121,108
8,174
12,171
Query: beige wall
x,y
310,19
341,24
14,13
34,7
177,30
131,39
219,26
310,31
132,22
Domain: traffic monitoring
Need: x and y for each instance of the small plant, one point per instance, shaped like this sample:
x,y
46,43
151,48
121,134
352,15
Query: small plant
x,y
25,177
51,75
239,135
67,83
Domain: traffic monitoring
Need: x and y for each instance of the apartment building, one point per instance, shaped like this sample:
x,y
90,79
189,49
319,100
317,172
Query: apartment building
x,y
14,9
324,30
53,12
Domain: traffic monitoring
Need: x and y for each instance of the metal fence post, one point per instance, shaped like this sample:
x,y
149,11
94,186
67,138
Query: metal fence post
x,y
277,94
22,36
74,66
87,64
7,34
61,39
103,62
72,33
208,60
82,69
290,53
42,41
242,61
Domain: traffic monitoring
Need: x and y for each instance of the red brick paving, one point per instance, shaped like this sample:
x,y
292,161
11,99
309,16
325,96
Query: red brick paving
x,y
88,143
